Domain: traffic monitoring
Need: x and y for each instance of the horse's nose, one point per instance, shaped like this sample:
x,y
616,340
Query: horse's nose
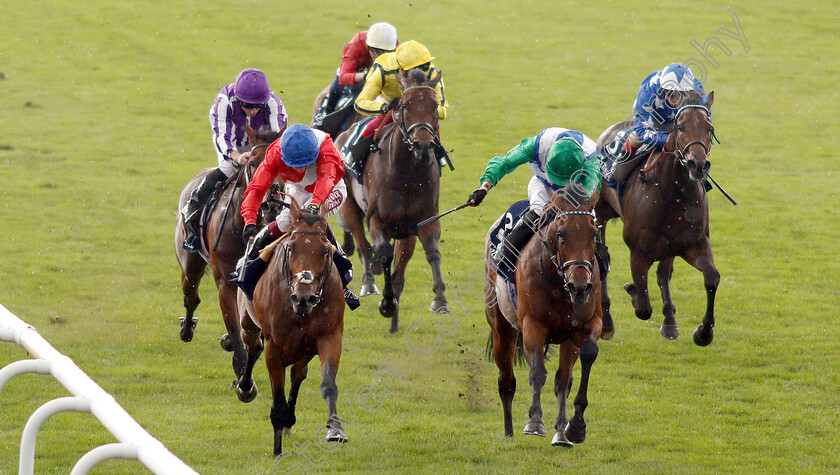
x,y
579,293
706,166
294,299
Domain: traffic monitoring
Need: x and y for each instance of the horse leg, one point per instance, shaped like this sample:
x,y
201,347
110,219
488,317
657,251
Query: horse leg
x,y
192,269
230,314
638,290
504,352
701,258
279,408
403,250
429,237
389,307
246,388
348,245
533,338
329,352
562,388
608,329
576,430
669,327
298,373
353,219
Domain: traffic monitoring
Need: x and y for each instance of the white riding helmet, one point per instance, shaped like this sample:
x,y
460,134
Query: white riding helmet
x,y
382,36
677,77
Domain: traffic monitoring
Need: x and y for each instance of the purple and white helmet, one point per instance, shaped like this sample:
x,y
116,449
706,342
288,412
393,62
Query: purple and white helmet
x,y
677,77
251,87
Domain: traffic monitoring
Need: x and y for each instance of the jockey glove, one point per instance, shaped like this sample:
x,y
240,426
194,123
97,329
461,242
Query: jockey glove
x,y
391,105
477,197
314,208
249,232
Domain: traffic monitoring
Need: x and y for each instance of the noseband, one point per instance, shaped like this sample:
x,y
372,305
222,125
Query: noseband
x,y
682,152
568,267
406,131
307,276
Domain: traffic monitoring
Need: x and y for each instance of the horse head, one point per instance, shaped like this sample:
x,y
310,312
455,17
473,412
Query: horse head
x,y
416,115
574,231
691,139
259,140
308,258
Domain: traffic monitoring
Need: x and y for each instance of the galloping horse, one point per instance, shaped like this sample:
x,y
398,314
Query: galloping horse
x,y
223,238
401,188
298,309
558,287
665,212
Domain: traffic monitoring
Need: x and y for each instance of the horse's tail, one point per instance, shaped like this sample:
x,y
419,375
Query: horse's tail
x,y
520,350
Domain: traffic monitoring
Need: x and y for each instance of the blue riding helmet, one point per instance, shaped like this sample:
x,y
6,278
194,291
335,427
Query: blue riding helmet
x,y
677,77
298,146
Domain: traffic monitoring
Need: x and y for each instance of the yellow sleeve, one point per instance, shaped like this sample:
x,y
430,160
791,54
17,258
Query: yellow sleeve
x,y
366,103
443,104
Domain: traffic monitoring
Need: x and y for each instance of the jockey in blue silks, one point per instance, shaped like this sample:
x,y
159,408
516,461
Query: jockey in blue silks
x,y
660,96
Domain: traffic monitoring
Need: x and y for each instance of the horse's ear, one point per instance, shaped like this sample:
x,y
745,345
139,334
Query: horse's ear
x,y
711,100
323,211
401,80
252,136
294,209
434,81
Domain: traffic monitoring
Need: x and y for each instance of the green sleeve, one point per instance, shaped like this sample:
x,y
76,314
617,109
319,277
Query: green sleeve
x,y
590,177
501,166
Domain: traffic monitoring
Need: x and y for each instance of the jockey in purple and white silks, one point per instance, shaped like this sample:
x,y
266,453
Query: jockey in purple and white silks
x,y
246,101
660,96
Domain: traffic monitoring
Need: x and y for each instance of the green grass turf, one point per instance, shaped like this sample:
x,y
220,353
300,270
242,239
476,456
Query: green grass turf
x,y
103,118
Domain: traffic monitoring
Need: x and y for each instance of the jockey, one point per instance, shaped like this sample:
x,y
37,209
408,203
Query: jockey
x,y
357,57
247,101
311,168
381,82
557,157
660,96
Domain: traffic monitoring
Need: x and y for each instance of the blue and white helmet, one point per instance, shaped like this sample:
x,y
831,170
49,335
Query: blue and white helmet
x,y
677,77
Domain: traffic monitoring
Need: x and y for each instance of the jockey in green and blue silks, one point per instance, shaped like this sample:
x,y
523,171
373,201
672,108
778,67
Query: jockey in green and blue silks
x,y
557,157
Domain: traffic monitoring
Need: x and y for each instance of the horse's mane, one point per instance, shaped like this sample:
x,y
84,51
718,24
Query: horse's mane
x,y
417,77
266,135
576,195
692,98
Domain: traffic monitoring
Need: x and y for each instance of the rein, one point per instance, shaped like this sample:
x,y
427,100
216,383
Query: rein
x,y
307,276
248,177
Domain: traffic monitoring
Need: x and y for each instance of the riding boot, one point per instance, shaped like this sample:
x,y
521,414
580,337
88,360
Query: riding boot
x,y
603,256
508,252
191,210
345,271
250,267
358,155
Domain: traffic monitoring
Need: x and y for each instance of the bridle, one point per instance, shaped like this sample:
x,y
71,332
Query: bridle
x,y
406,131
682,152
566,268
307,276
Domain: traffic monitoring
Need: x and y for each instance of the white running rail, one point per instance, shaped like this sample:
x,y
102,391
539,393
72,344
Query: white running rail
x,y
134,442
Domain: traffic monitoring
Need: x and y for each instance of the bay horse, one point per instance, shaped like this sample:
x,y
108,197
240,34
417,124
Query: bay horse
x,y
224,246
401,188
298,310
558,302
665,212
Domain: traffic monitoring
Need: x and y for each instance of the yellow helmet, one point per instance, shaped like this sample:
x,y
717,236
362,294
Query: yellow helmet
x,y
412,54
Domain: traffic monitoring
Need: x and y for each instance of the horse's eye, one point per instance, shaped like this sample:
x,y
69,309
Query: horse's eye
x,y
681,128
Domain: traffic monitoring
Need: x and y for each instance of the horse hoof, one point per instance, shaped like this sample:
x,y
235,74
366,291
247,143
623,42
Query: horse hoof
x,y
630,289
349,245
249,395
534,428
561,440
336,435
439,306
389,308
376,267
187,328
608,331
576,435
368,289
670,331
703,338
225,342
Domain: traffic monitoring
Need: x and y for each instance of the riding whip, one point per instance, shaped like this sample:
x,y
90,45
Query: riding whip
x,y
722,190
434,218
